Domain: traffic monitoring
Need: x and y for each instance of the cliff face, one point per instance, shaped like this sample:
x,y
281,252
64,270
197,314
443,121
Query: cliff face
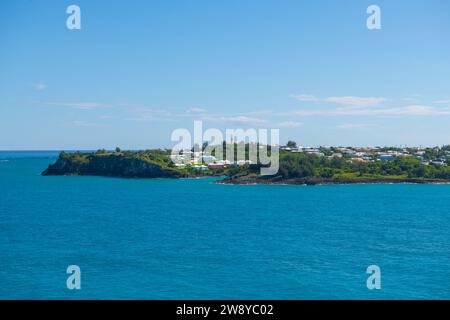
x,y
109,165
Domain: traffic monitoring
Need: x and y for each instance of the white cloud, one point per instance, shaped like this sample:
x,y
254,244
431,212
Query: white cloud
x,y
244,120
305,97
146,114
288,124
196,110
447,102
78,105
106,117
342,100
352,126
39,86
81,123
417,110
412,110
410,99
256,113
356,101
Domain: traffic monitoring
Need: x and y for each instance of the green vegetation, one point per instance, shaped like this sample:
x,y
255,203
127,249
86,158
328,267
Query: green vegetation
x,y
129,164
305,167
291,144
158,157
293,167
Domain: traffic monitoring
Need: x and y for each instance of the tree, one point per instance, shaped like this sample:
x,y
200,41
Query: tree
x,y
117,149
327,173
291,144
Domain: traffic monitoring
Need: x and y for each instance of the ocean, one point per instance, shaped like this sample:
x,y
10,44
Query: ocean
x,y
195,239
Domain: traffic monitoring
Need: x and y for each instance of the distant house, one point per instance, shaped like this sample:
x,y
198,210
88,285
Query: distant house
x,y
387,157
361,154
439,163
318,154
243,162
309,150
180,165
216,165
209,159
336,155
200,167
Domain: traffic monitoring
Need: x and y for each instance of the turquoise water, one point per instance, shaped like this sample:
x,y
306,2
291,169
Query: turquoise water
x,y
191,239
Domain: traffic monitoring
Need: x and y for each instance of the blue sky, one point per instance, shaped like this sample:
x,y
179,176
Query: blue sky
x,y
137,70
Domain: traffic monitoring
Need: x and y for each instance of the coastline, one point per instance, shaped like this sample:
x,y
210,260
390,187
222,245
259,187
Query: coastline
x,y
300,170
327,182
227,181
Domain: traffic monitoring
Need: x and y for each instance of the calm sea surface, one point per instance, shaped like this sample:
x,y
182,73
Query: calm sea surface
x,y
191,239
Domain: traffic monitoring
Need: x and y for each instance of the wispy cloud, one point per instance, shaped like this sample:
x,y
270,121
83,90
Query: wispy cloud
x,y
243,120
147,114
341,100
349,126
143,114
447,102
196,110
78,105
262,112
106,117
411,110
82,123
288,124
341,106
39,86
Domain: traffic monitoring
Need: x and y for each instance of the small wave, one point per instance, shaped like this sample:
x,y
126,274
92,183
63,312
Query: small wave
x,y
4,160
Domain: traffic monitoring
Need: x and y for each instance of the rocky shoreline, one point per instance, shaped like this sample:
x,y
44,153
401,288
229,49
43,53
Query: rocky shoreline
x,y
331,181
